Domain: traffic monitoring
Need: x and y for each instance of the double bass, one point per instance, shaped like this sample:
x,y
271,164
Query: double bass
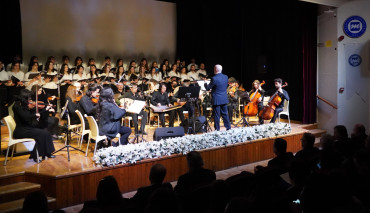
x,y
268,111
251,109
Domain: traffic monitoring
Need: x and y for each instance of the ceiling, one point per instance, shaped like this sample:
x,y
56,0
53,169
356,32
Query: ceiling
x,y
332,3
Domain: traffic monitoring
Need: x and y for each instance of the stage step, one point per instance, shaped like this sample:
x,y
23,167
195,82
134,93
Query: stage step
x,y
17,190
310,126
317,132
16,205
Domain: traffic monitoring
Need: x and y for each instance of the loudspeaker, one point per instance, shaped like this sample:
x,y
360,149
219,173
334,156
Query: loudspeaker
x,y
168,132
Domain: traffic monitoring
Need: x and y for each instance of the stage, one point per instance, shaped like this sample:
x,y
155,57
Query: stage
x,y
76,181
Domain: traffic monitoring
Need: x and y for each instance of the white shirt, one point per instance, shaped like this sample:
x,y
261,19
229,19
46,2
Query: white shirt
x,y
4,76
19,75
173,73
29,84
184,76
204,72
77,77
50,85
193,75
157,76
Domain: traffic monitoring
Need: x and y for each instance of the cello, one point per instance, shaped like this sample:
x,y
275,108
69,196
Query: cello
x,y
268,111
251,109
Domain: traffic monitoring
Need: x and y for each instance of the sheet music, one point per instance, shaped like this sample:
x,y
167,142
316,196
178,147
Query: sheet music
x,y
201,84
132,106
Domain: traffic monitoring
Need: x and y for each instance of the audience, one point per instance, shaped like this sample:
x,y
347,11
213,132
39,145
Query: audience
x,y
156,177
334,178
197,175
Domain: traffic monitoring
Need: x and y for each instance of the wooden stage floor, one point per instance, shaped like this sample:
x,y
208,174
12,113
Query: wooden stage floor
x,y
72,182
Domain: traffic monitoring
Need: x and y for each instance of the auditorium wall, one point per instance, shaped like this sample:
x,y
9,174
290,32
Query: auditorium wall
x,y
129,29
344,84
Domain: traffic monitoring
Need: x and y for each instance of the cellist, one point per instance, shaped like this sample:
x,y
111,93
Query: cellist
x,y
256,86
283,94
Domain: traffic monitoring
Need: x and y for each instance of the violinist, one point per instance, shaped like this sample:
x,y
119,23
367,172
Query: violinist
x,y
283,94
256,87
28,125
71,97
87,106
51,122
135,95
109,116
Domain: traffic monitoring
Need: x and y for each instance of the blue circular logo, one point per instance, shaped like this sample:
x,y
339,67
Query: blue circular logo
x,y
354,26
355,60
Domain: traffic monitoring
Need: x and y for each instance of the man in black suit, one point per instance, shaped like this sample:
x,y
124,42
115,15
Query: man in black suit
x,y
160,98
197,175
156,177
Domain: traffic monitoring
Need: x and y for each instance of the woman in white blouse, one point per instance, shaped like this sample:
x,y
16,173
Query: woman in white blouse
x,y
174,72
80,75
154,75
49,68
183,74
16,72
67,76
34,70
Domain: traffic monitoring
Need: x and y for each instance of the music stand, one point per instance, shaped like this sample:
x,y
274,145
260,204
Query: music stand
x,y
67,135
190,94
243,120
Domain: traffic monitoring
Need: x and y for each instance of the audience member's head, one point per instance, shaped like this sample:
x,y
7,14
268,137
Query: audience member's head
x,y
327,142
308,140
163,200
340,132
108,191
280,146
35,202
358,131
194,160
157,174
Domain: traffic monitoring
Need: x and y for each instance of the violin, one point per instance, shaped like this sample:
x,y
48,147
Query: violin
x,y
251,109
33,104
268,111
95,100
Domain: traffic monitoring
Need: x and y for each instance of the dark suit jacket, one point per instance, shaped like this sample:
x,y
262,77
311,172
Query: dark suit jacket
x,y
158,97
87,107
219,84
191,180
110,119
143,194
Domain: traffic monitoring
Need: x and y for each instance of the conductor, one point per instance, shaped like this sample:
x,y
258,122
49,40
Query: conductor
x,y
218,85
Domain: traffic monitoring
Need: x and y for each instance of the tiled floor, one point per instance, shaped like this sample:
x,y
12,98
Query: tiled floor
x,y
224,174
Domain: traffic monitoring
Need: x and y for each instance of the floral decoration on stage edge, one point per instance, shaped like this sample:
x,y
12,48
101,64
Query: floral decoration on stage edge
x,y
132,153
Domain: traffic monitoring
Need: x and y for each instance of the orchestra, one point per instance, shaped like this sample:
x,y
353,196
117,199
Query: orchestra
x,y
157,87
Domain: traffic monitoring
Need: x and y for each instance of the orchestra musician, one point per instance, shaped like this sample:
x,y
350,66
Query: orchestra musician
x,y
256,86
219,85
160,98
135,95
109,116
28,125
72,106
87,105
233,104
280,92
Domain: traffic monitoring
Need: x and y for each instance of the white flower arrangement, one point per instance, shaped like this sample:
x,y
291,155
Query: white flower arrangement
x,y
132,153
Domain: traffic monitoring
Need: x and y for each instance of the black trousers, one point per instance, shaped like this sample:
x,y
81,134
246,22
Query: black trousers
x,y
135,120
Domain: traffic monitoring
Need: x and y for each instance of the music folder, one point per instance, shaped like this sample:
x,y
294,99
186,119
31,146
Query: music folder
x,y
132,106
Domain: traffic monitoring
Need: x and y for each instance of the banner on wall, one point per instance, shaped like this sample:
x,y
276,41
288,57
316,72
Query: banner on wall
x,y
356,74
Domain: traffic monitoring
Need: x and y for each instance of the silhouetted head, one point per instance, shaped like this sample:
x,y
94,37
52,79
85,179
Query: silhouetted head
x,y
194,160
308,140
280,146
35,202
108,191
157,174
340,132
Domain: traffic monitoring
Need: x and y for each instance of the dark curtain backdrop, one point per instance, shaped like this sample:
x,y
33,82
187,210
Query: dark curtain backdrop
x,y
254,40
309,50
10,30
